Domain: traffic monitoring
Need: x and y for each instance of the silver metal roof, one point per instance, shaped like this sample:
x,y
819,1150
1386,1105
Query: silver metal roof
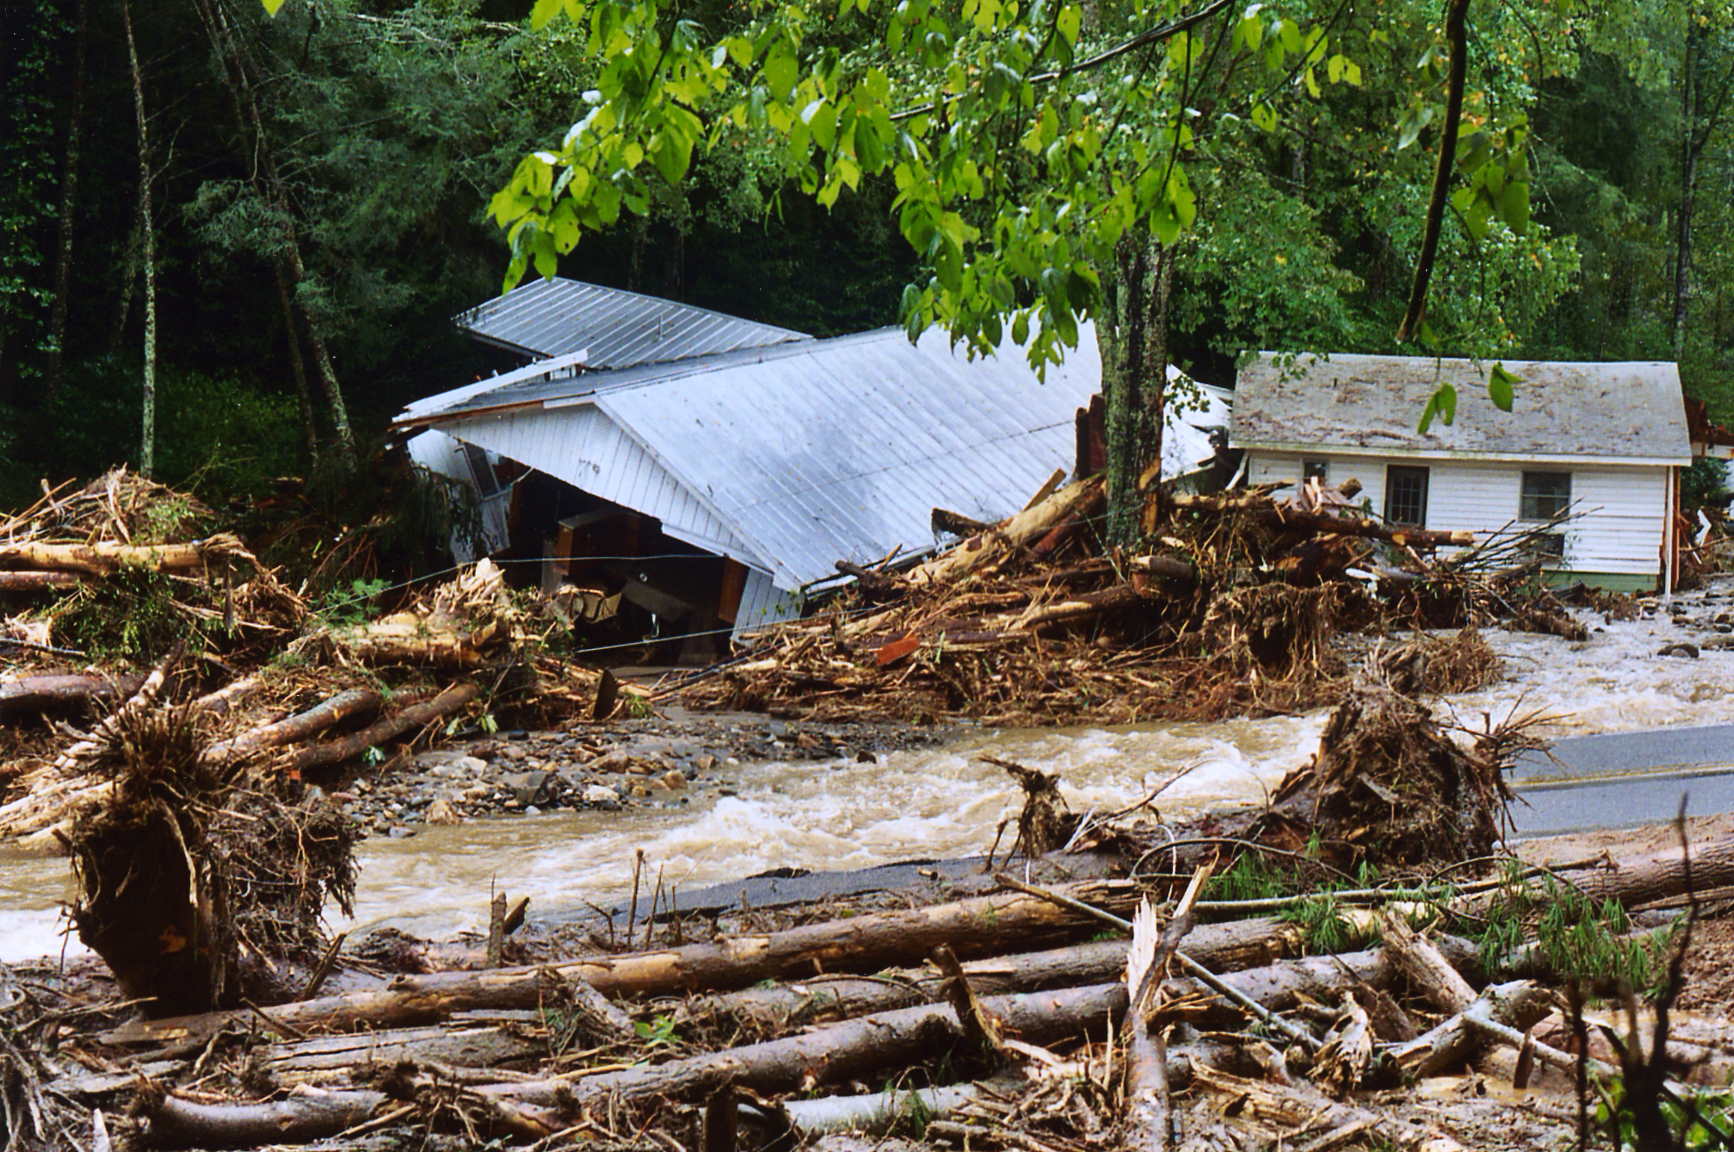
x,y
618,328
1629,411
826,450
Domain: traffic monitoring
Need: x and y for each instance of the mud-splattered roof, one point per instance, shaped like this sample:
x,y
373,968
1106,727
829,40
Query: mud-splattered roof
x,y
1628,411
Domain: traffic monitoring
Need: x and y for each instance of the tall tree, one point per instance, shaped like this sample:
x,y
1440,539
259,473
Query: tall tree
x,y
147,244
68,203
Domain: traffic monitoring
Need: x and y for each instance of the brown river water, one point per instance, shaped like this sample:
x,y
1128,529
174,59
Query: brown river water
x,y
938,802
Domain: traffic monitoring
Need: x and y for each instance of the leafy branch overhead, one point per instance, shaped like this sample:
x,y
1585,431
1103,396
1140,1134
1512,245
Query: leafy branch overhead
x,y
1023,143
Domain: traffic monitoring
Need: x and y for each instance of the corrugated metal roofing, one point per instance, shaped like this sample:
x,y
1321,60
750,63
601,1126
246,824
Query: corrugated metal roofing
x,y
829,450
619,328
1629,411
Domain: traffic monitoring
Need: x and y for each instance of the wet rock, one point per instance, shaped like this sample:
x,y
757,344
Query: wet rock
x,y
601,796
705,762
1684,649
528,787
615,761
866,758
674,779
400,832
442,811
637,790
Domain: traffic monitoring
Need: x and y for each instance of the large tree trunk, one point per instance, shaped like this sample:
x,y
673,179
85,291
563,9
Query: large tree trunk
x,y
1134,346
147,235
298,368
68,211
1690,147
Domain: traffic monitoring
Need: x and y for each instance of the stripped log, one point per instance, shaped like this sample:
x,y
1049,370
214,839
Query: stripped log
x,y
1658,875
1295,1110
329,713
406,719
972,927
1226,947
107,556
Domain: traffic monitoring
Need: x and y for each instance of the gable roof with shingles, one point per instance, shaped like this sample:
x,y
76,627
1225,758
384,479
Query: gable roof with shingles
x,y
618,329
1371,405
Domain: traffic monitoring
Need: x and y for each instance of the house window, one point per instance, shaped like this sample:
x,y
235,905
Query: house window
x,y
1545,495
1319,470
1546,547
1406,495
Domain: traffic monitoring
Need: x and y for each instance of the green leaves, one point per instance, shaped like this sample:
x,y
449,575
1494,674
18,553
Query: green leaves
x,y
271,6
1501,387
1442,404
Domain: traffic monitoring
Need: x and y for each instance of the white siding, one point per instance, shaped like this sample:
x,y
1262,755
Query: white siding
x,y
1622,507
762,602
587,450
435,452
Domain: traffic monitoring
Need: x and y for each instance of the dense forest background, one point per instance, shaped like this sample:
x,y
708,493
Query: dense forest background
x,y
318,185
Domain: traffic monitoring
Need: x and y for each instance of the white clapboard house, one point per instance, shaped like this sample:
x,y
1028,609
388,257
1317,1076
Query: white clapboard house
x,y
1606,441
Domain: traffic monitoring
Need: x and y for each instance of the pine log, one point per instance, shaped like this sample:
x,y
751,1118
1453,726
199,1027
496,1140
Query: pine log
x,y
973,927
1081,607
59,693
406,719
36,582
176,1122
107,556
331,1057
327,714
419,645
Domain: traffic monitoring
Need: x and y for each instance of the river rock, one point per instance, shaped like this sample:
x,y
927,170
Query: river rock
x,y
601,796
527,787
442,811
674,779
1684,648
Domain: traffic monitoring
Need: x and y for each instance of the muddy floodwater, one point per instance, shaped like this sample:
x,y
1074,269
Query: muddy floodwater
x,y
940,802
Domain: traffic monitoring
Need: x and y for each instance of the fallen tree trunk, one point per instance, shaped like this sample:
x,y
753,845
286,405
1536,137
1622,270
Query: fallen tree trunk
x,y
59,693
1227,947
1517,1004
35,582
106,556
973,927
390,728
327,714
1640,879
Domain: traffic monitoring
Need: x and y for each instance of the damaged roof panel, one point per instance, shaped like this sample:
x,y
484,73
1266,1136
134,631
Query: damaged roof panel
x,y
617,328
815,451
1632,411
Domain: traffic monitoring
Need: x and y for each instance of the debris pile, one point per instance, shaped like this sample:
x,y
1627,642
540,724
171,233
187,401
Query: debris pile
x,y
1176,1008
172,712
1233,607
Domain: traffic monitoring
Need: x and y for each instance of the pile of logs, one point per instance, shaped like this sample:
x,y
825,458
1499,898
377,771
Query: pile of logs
x,y
1032,621
1083,1014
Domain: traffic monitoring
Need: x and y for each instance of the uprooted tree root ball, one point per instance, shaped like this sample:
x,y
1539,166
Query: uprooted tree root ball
x,y
1390,786
203,886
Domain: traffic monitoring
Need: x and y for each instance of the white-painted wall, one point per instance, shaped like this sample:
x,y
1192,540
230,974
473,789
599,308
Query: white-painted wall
x,y
1622,507
435,452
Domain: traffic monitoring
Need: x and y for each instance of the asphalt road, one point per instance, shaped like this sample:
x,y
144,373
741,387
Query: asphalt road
x,y
1624,779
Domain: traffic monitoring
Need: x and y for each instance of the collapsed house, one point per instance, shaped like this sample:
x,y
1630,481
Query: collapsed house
x,y
705,473
1602,444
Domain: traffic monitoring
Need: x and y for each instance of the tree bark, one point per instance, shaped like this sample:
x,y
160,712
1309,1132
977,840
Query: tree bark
x,y
327,714
1690,148
404,720
297,367
106,556
977,926
55,367
1518,1004
58,693
37,581
148,242
1134,348
1456,36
